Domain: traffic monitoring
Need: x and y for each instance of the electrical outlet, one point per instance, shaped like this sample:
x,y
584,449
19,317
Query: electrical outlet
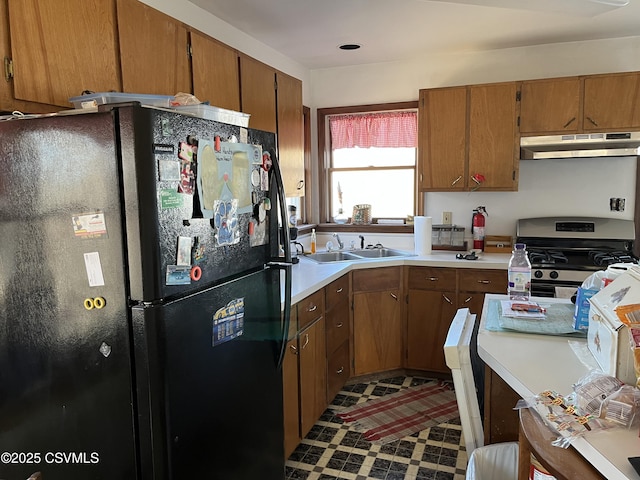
x,y
446,218
616,204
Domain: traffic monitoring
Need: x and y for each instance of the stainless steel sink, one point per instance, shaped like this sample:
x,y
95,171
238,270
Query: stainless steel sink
x,y
326,257
380,253
356,255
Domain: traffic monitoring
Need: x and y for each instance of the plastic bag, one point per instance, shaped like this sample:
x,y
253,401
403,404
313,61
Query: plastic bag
x,y
608,398
595,281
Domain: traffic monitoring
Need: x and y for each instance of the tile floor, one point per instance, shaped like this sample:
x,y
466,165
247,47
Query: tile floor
x,y
333,450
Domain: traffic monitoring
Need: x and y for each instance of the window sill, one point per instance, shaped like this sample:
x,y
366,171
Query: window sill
x,y
374,227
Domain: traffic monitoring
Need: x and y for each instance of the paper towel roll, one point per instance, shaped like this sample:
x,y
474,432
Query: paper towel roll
x,y
422,235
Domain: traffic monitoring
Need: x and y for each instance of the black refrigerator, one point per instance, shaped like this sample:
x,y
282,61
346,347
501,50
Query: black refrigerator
x,y
144,301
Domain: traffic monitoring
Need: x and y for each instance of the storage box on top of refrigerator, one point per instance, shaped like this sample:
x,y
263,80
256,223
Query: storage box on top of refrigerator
x,y
607,336
141,328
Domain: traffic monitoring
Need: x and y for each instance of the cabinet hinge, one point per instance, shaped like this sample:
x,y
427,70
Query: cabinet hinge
x,y
518,120
513,175
189,50
275,83
8,68
518,96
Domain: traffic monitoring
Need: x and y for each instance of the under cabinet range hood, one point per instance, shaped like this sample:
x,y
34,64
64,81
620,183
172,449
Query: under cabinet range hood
x,y
580,145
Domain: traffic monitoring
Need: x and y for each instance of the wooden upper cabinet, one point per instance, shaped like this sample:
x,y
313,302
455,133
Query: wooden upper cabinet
x,y
290,133
61,48
612,102
215,72
550,106
442,138
153,50
493,141
258,93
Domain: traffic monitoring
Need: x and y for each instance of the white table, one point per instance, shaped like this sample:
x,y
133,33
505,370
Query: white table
x,y
530,364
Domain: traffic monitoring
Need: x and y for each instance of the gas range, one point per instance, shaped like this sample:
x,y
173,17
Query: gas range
x,y
565,251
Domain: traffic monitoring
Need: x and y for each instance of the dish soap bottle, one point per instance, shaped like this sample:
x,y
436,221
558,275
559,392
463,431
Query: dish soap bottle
x,y
313,240
519,287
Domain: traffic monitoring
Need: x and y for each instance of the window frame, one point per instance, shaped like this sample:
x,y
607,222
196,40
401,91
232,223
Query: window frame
x,y
324,160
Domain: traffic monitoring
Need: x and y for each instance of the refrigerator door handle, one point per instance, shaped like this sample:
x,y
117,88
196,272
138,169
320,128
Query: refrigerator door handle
x,y
286,312
277,175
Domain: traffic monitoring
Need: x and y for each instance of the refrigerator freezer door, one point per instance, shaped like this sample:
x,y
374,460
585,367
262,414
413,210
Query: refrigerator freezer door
x,y
65,372
161,212
206,367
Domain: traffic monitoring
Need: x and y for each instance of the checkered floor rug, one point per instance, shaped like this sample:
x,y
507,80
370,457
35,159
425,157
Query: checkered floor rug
x,y
389,418
334,450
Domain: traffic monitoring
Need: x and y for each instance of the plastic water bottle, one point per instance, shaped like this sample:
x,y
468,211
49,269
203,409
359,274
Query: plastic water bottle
x,y
519,287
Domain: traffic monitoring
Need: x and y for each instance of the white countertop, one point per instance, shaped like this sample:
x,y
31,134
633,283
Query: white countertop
x,y
309,276
532,363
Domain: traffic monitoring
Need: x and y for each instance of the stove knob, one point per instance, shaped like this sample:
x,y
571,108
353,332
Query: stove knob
x,y
538,274
553,274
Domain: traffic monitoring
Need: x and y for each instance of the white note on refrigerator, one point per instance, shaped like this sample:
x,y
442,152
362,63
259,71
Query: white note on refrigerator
x,y
94,269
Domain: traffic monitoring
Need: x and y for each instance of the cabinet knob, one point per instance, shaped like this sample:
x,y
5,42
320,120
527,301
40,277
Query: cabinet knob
x,y
568,123
447,299
339,290
339,325
468,299
593,122
294,349
312,308
340,370
432,279
394,296
300,184
306,340
485,282
456,180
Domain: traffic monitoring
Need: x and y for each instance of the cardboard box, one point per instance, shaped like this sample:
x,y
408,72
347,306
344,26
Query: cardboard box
x,y
581,313
607,337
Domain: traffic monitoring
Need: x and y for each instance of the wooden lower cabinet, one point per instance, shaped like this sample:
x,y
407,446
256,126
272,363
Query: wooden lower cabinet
x,y
429,314
313,374
377,320
434,295
338,329
500,418
290,398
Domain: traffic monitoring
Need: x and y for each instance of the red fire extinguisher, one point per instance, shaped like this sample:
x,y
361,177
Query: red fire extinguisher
x,y
478,222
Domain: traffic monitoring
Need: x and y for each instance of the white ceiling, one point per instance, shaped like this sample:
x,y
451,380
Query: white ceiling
x,y
310,31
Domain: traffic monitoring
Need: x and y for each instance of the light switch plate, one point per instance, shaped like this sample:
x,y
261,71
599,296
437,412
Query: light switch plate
x,y
446,218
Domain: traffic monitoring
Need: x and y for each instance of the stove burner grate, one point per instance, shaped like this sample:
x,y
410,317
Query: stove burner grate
x,y
602,258
547,257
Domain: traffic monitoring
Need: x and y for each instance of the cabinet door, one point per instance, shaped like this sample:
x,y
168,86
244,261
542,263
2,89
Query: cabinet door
x,y
337,324
493,146
337,371
313,375
612,102
290,398
377,331
215,72
62,48
290,134
429,316
442,138
258,93
550,106
153,51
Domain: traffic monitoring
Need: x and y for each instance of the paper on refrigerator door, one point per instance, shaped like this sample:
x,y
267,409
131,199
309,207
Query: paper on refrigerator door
x,y
94,269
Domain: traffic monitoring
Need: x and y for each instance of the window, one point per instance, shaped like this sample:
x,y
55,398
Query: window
x,y
370,159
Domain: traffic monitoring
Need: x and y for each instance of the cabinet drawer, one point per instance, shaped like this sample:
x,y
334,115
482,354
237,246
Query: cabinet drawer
x,y
310,309
337,371
432,278
483,281
338,327
336,292
372,280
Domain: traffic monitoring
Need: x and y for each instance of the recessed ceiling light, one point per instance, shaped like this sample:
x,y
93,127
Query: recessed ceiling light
x,y
349,46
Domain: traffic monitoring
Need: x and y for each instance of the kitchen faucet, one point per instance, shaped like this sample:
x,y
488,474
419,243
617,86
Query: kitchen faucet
x,y
361,241
340,244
